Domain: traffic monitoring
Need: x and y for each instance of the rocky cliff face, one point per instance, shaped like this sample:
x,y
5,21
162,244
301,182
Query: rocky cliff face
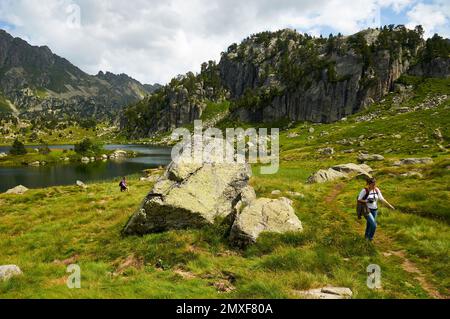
x,y
281,75
39,83
318,80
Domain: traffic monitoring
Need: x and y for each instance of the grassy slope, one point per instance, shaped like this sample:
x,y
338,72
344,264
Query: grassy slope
x,y
331,250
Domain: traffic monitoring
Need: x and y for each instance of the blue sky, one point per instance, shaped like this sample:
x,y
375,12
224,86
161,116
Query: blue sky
x,y
154,41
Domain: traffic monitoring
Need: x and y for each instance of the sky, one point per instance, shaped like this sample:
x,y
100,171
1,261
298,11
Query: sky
x,y
154,41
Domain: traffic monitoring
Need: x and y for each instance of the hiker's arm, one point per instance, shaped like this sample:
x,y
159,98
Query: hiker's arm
x,y
388,204
384,200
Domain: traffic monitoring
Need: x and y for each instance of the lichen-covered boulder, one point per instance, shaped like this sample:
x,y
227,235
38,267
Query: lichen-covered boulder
x,y
190,196
263,215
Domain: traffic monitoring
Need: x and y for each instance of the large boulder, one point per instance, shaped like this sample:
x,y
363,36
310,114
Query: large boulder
x,y
323,176
352,168
263,215
340,171
9,271
190,196
18,190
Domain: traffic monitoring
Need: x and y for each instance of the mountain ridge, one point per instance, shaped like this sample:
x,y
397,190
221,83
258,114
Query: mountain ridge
x,y
285,75
40,83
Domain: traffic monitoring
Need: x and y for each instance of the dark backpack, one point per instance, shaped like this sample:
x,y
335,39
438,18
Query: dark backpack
x,y
361,208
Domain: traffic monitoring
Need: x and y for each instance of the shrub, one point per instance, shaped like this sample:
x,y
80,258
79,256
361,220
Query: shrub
x,y
18,148
87,147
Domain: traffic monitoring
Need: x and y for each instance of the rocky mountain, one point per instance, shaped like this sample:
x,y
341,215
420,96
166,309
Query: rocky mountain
x,y
286,75
34,82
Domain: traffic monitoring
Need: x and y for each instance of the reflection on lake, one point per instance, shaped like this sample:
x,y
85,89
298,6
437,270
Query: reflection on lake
x,y
68,174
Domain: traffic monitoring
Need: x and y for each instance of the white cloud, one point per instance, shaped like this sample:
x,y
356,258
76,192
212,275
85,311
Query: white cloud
x,y
434,17
154,41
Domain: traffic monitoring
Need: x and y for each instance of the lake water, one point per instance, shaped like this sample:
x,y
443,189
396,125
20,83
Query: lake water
x,y
68,174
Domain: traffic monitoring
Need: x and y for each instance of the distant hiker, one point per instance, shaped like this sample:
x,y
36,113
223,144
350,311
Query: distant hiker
x,y
368,206
123,185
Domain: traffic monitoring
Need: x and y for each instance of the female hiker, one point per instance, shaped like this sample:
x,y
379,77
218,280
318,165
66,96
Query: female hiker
x,y
370,196
123,185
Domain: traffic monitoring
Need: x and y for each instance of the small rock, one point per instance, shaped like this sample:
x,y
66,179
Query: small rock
x,y
397,136
276,192
35,164
326,293
370,157
295,194
3,155
9,271
85,160
326,151
311,130
18,190
292,135
82,185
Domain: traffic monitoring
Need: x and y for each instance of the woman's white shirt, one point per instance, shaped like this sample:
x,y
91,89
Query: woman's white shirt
x,y
374,196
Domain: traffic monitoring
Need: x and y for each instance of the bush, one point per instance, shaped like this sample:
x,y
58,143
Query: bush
x,y
18,148
87,147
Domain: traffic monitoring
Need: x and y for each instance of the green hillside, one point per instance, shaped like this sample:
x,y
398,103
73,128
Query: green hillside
x,y
47,229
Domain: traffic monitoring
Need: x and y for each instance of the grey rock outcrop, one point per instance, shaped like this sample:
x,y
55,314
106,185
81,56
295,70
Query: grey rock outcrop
x,y
414,161
9,271
18,190
263,215
340,171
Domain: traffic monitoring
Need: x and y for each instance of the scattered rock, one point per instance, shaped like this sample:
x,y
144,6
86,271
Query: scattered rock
x,y
81,184
326,151
412,174
35,164
18,190
370,157
85,160
326,293
295,194
263,215
323,176
9,271
293,135
340,171
276,192
414,161
223,286
2,155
